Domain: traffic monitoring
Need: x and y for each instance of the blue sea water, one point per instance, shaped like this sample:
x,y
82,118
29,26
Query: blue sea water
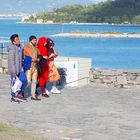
x,y
115,53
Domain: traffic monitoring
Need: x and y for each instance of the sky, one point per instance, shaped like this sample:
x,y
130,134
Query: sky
x,y
34,6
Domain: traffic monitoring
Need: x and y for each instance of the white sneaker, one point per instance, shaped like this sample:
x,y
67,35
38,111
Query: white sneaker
x,y
47,92
55,90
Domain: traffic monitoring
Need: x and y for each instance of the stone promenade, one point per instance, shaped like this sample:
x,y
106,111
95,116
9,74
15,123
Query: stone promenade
x,y
86,113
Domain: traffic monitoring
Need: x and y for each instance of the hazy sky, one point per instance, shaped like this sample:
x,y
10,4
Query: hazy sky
x,y
34,6
97,0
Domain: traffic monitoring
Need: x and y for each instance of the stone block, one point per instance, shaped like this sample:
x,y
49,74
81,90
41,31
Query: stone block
x,y
117,78
136,86
99,81
133,82
131,76
119,86
107,73
121,80
108,80
138,78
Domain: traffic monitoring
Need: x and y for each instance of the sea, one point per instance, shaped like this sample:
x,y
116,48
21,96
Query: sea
x,y
110,53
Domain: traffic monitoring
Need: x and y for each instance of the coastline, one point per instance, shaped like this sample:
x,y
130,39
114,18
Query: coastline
x,y
90,24
96,35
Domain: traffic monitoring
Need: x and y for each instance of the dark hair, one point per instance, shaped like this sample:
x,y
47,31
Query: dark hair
x,y
32,37
50,42
12,37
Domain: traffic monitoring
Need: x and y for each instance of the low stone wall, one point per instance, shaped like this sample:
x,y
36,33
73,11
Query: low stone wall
x,y
115,78
105,77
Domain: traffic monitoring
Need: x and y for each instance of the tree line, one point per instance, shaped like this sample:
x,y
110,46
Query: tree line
x,y
110,11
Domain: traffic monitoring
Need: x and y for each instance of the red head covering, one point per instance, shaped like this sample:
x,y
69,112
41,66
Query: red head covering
x,y
41,46
43,76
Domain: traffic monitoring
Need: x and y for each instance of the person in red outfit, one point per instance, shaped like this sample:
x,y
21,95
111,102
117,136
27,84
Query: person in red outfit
x,y
43,76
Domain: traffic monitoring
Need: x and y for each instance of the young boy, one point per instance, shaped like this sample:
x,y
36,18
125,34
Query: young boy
x,y
15,66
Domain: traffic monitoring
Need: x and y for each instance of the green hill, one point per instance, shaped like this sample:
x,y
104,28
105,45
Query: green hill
x,y
110,11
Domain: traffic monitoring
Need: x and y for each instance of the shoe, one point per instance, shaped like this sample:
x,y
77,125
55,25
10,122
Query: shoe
x,y
45,95
35,99
14,100
55,90
47,92
23,95
21,99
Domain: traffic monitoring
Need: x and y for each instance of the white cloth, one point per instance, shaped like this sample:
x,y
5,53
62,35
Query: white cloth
x,y
16,85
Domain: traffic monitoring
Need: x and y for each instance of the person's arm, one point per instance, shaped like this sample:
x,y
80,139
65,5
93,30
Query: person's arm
x,y
11,62
24,52
45,57
51,55
43,52
38,53
55,53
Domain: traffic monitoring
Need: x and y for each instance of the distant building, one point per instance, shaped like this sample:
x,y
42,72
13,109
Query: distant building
x,y
24,18
49,21
73,22
39,21
126,22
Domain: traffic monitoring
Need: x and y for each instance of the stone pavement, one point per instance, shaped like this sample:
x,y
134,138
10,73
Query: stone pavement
x,y
87,113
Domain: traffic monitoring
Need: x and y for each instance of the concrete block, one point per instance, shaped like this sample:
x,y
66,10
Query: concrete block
x,y
121,80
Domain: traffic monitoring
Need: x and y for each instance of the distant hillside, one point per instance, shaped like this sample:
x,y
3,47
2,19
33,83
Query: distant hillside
x,y
110,11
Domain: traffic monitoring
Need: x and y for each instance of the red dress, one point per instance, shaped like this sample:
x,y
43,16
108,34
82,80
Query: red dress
x,y
43,77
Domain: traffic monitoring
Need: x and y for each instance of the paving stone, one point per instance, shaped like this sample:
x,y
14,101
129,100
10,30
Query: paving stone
x,y
85,113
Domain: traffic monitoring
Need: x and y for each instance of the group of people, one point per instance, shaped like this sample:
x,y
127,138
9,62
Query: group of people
x,y
32,66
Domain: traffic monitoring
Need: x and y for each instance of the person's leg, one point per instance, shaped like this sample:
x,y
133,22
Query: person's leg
x,y
33,89
28,87
23,89
53,85
22,77
34,77
55,89
42,82
53,77
43,78
12,94
21,96
28,75
37,86
46,90
42,89
18,95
